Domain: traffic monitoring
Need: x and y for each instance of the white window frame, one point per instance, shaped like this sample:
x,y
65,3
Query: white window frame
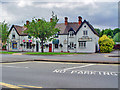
x,y
71,34
85,32
82,44
71,45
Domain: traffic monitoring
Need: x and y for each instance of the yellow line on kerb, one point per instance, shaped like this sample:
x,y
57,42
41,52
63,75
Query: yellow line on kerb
x,y
29,86
12,86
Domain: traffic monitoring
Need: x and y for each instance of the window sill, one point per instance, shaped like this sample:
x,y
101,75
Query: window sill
x,y
71,37
82,47
71,48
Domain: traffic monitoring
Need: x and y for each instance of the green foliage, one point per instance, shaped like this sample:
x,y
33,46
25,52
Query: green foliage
x,y
4,52
4,47
107,32
106,44
4,31
97,30
101,33
40,28
116,30
117,37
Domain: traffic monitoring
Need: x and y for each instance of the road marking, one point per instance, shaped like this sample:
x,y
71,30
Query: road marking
x,y
16,62
11,86
83,72
95,73
30,86
15,67
55,63
64,70
79,67
107,56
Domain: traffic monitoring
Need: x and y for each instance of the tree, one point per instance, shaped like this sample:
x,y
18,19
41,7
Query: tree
x,y
106,44
101,33
97,30
40,28
116,30
116,38
4,31
108,32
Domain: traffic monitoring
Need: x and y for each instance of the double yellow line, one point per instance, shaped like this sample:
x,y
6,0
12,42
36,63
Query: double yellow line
x,y
17,87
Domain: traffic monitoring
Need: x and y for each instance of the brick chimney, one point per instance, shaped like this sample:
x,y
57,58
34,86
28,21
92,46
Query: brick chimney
x,y
38,19
27,22
50,19
66,20
79,20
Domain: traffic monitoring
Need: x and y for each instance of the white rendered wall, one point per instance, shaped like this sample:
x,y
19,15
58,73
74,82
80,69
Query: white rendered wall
x,y
17,39
90,45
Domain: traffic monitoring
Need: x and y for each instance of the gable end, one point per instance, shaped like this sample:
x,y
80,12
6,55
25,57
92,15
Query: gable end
x,y
90,26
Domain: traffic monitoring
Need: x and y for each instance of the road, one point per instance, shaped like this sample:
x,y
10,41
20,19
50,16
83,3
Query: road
x,y
59,75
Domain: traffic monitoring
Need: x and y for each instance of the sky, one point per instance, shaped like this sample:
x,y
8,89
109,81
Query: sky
x,y
100,13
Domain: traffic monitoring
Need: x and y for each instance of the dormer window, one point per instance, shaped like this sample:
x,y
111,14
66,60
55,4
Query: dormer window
x,y
13,36
71,33
85,33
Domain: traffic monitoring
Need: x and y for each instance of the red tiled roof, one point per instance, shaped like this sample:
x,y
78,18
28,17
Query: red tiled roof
x,y
20,29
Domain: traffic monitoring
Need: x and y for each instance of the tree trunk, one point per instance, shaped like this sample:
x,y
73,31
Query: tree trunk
x,y
42,50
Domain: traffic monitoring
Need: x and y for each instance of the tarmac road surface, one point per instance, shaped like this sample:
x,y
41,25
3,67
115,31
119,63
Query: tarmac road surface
x,y
59,75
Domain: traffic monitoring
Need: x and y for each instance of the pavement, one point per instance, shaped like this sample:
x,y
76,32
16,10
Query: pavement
x,y
105,58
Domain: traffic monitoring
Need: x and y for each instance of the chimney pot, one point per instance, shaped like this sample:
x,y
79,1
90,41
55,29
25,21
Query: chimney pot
x,y
38,19
50,19
66,20
27,22
79,20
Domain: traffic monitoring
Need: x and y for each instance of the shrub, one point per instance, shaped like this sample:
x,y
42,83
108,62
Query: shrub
x,y
106,44
117,37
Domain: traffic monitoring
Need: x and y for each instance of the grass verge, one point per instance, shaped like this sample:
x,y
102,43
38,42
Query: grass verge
x,y
40,53
4,52
51,53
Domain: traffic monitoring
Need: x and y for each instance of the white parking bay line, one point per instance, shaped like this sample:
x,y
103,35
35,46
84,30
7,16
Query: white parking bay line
x,y
79,67
15,67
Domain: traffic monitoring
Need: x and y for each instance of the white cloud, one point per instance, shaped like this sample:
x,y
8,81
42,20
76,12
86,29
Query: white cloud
x,y
97,13
23,3
68,5
87,1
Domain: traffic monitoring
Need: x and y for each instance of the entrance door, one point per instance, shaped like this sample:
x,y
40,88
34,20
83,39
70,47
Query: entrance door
x,y
14,45
37,47
50,47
